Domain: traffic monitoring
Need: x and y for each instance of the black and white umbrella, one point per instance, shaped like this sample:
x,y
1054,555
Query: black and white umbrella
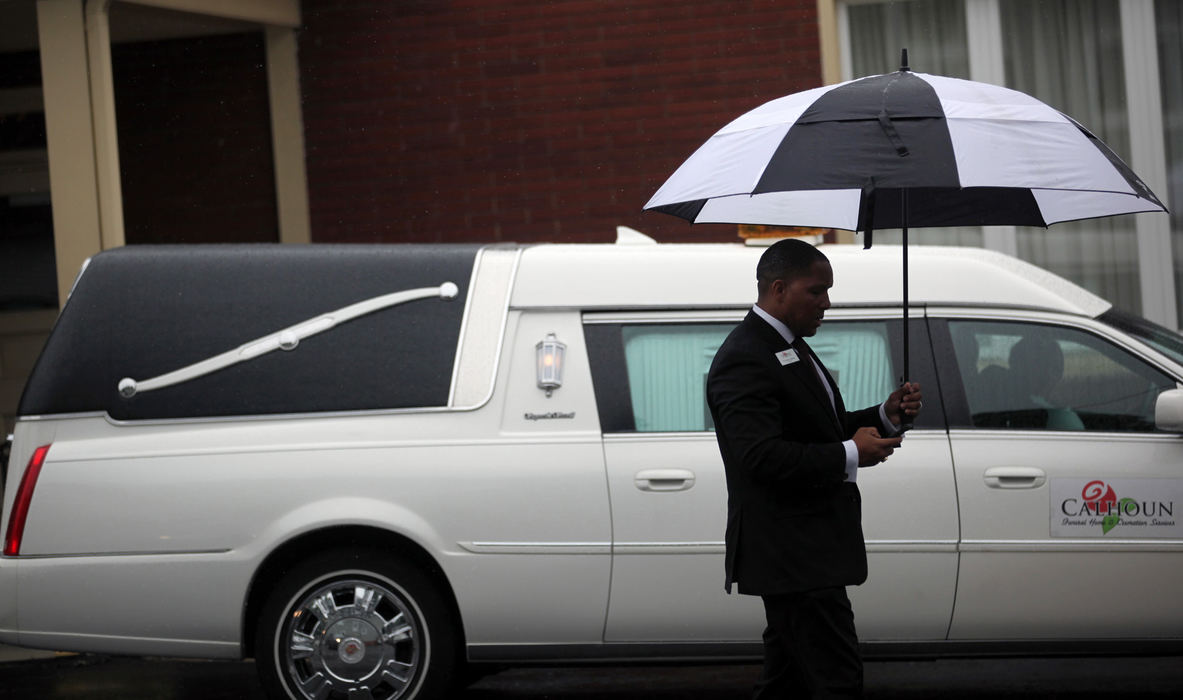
x,y
903,149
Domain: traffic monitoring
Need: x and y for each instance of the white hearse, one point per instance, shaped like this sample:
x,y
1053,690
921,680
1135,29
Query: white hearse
x,y
370,467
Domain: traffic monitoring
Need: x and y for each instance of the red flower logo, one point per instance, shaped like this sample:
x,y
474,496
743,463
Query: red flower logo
x,y
1099,497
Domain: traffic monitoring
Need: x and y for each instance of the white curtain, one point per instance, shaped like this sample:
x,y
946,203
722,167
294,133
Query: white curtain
x,y
857,357
1169,24
933,31
1068,53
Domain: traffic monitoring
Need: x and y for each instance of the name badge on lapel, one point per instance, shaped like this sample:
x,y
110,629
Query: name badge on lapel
x,y
787,357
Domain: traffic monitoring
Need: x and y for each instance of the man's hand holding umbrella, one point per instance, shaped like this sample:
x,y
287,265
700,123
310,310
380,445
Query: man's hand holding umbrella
x,y
901,407
904,404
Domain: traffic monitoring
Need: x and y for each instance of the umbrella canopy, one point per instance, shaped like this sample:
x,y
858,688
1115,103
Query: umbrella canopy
x,y
903,149
967,153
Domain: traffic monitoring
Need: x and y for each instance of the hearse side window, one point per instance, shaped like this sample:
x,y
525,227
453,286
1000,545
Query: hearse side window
x,y
163,308
1042,377
651,377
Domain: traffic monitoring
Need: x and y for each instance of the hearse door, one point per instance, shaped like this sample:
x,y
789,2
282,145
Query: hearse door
x,y
669,496
1070,496
665,479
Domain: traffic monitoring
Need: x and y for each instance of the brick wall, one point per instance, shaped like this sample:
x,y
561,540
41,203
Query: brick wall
x,y
527,120
195,140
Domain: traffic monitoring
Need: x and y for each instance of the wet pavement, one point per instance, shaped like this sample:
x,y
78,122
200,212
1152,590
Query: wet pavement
x,y
118,678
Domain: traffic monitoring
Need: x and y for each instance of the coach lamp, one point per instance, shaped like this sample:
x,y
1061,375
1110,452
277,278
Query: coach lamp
x,y
550,363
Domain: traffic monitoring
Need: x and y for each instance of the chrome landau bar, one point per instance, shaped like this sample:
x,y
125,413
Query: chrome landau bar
x,y
287,339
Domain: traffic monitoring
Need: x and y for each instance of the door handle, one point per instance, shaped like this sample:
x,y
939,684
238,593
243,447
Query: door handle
x,y
664,479
1014,477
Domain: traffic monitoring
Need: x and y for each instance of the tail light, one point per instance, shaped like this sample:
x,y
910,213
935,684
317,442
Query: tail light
x,y
20,506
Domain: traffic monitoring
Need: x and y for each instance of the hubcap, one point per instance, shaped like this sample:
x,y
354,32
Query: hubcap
x,y
352,638
352,650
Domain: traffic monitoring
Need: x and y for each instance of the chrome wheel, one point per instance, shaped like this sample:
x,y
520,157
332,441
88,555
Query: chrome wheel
x,y
358,623
353,638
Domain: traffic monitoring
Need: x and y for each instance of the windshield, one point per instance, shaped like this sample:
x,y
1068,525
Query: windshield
x,y
1162,339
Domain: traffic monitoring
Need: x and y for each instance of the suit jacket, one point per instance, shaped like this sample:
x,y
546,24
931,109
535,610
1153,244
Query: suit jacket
x,y
793,522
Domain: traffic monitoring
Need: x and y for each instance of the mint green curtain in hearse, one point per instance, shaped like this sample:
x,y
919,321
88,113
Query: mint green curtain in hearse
x,y
667,369
856,354
668,364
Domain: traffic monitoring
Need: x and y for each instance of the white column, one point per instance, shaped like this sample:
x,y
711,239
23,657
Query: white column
x,y
74,191
106,137
287,135
842,20
984,30
983,27
828,42
1147,158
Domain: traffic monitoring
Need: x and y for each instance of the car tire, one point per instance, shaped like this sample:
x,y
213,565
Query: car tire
x,y
356,623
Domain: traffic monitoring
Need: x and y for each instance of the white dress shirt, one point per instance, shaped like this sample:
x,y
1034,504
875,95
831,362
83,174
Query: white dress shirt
x,y
851,448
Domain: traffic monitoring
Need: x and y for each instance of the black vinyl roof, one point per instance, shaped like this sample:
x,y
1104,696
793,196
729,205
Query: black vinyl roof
x,y
145,311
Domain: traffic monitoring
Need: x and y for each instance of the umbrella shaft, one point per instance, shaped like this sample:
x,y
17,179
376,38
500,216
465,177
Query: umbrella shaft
x,y
904,425
904,220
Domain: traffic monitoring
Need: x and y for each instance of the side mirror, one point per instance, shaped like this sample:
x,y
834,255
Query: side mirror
x,y
1168,411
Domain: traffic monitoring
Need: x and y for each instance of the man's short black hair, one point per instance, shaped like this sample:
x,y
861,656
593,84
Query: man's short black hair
x,y
784,260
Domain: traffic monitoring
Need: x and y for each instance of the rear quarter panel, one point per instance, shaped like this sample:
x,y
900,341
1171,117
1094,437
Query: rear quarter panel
x,y
166,523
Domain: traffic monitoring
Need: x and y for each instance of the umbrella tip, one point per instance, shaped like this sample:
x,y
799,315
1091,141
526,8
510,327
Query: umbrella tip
x,y
904,59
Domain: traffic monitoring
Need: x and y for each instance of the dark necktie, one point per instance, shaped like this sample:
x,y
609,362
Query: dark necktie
x,y
806,354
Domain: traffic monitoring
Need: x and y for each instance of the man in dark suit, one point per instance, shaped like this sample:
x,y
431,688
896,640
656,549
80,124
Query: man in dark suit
x,y
792,452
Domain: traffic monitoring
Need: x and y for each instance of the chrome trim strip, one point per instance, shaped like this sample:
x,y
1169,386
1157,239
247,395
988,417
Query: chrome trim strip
x,y
1072,545
650,548
688,316
669,548
285,339
709,435
77,279
178,645
873,547
107,555
537,547
590,439
911,546
733,315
